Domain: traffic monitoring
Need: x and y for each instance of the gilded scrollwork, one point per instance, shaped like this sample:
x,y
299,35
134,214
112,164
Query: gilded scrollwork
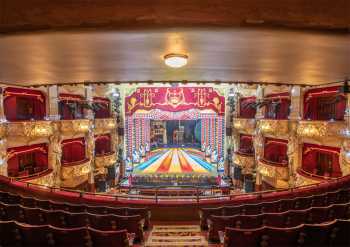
x,y
75,126
105,124
71,172
244,124
270,170
321,129
105,161
30,129
245,162
3,130
46,180
273,127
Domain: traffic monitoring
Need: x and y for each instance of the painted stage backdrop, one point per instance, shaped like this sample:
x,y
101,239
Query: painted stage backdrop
x,y
174,103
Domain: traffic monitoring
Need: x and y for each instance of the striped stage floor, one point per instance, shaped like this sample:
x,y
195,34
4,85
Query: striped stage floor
x,y
176,161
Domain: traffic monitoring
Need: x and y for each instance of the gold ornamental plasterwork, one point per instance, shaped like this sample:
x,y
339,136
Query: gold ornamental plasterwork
x,y
245,162
105,124
321,129
71,172
75,126
303,180
273,127
46,180
105,161
3,130
246,125
270,170
30,129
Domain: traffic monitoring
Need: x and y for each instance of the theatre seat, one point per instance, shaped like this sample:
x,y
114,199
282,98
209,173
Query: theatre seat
x,y
340,235
109,238
34,236
64,237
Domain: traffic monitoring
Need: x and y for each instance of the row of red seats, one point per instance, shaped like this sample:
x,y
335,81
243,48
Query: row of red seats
x,y
10,198
330,234
339,196
290,218
17,234
60,218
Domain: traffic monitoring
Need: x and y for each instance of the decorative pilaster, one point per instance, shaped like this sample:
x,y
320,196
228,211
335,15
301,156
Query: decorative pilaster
x,y
344,158
90,137
53,100
55,155
259,97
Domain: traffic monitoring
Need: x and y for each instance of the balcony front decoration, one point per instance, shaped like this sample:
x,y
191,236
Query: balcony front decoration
x,y
246,125
3,130
73,176
246,162
273,127
105,160
45,178
75,126
30,129
321,129
105,124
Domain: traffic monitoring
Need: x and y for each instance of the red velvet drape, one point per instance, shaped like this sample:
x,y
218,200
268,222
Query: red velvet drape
x,y
27,160
324,104
102,144
73,150
103,105
275,150
321,160
245,106
278,107
24,104
67,100
246,144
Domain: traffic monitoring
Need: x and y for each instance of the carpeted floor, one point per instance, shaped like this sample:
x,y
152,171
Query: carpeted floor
x,y
176,236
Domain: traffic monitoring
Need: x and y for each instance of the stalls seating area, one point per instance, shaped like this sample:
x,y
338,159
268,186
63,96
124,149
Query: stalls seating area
x,y
281,214
52,216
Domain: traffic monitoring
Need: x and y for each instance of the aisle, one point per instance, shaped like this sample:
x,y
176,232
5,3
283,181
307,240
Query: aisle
x,y
176,235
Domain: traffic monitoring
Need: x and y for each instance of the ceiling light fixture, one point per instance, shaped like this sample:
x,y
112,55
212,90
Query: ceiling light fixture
x,y
175,60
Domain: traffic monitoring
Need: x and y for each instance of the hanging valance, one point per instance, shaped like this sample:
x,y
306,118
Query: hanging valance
x,y
102,109
246,144
247,110
278,106
102,144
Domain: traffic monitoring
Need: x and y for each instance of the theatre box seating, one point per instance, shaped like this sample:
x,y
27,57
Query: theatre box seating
x,y
36,222
295,216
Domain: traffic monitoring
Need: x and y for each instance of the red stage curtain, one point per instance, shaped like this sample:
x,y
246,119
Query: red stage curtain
x,y
73,150
278,107
102,144
246,144
246,108
70,106
321,160
103,105
324,104
24,104
275,150
27,160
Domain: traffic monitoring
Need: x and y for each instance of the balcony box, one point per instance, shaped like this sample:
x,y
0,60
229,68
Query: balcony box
x,y
245,125
305,178
75,126
74,174
30,129
277,171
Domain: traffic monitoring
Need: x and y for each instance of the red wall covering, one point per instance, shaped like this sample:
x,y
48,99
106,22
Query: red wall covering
x,y
246,144
245,107
40,159
33,99
282,111
73,150
275,150
104,107
312,163
102,144
318,100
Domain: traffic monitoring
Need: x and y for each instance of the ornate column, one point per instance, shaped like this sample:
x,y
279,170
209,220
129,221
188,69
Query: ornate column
x,y
3,139
53,112
259,137
90,137
293,140
55,154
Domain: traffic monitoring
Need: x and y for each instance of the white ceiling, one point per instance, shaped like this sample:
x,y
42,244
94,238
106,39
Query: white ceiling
x,y
225,54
